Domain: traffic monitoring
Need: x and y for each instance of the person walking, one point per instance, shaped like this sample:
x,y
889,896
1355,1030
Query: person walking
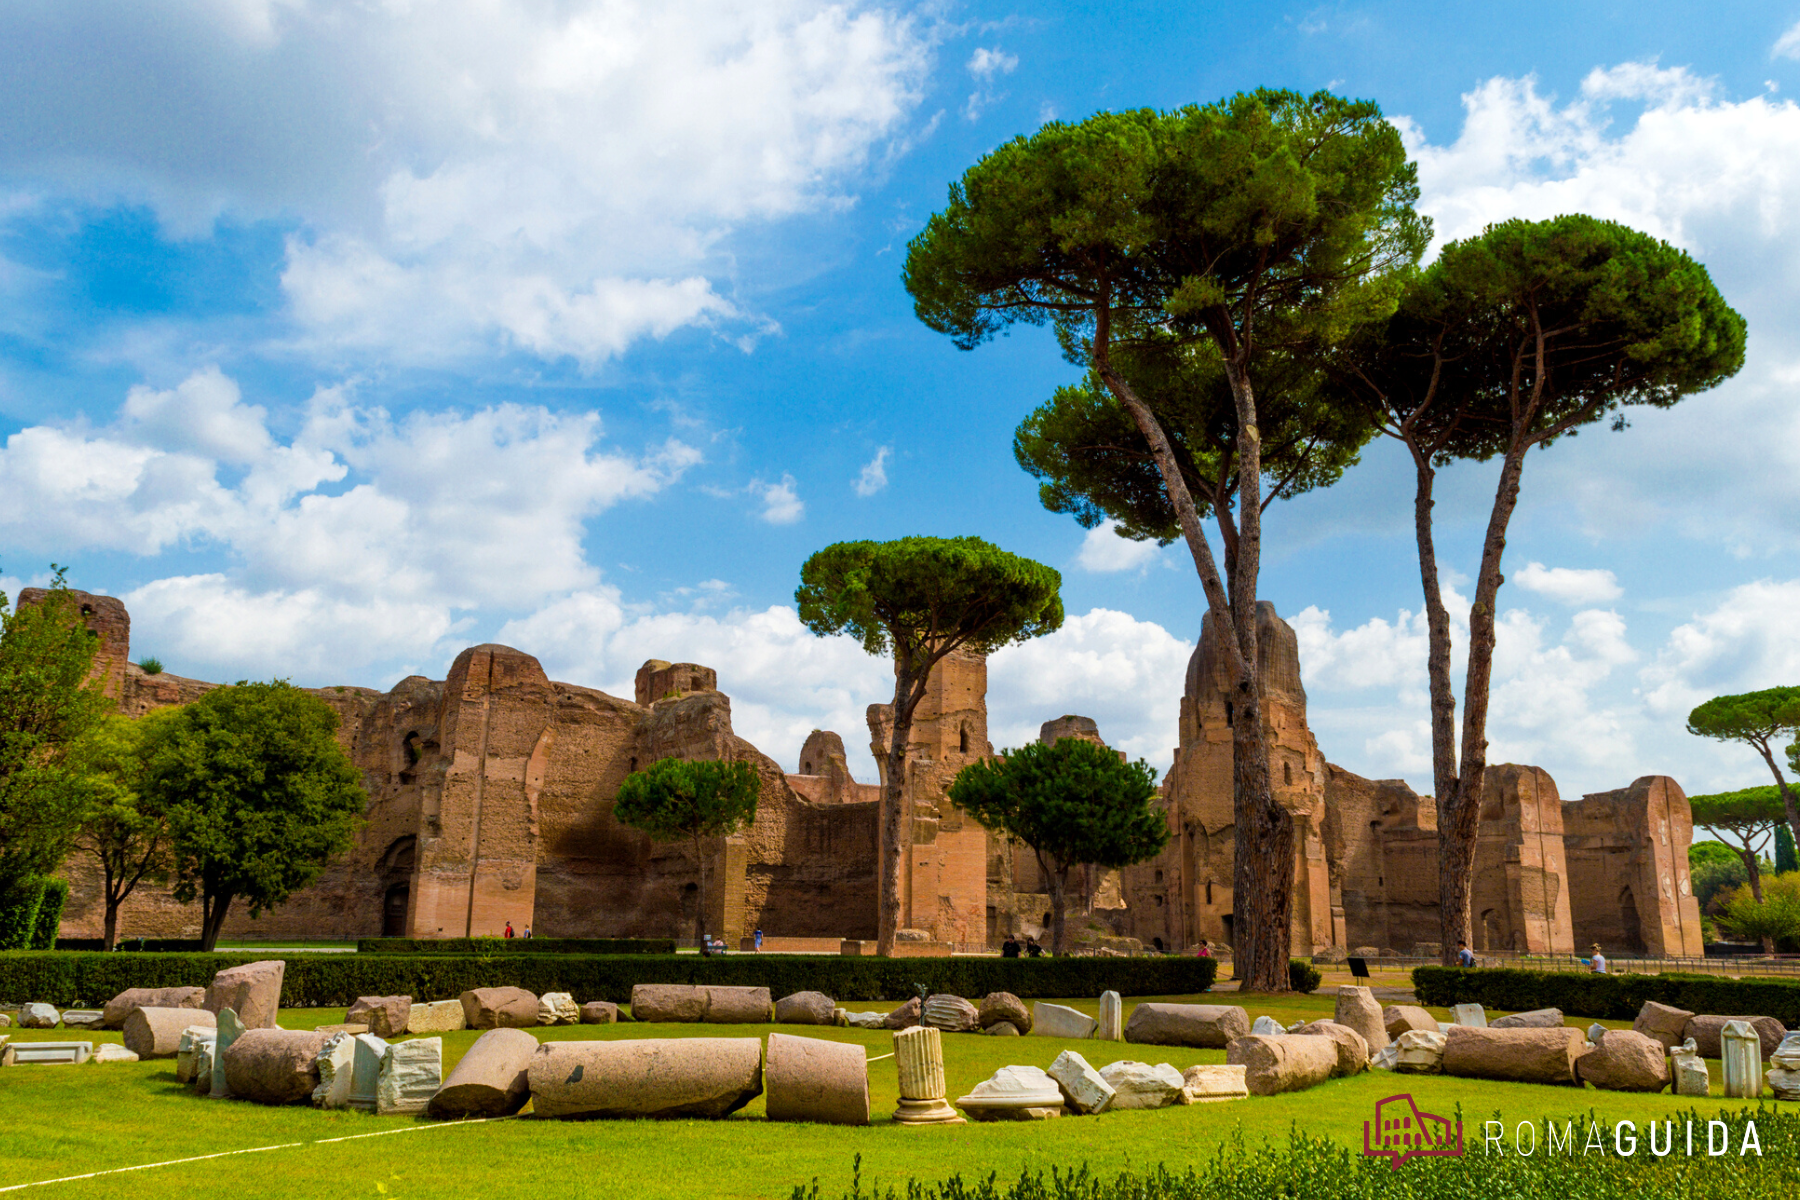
x,y
759,941
509,932
1465,957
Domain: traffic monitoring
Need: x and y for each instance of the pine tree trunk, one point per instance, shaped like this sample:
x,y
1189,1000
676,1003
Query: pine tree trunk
x,y
112,923
700,898
1059,888
894,816
1754,871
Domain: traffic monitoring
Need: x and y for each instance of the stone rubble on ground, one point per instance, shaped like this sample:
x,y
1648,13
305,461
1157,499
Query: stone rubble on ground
x,y
811,1079
337,1068
1663,1022
81,1018
365,1070
1358,1009
1742,1059
708,1077
865,1020
1085,1091
1211,1083
1141,1085
1002,1029
111,1052
252,991
1625,1061
1402,1018
597,1012
384,1016
185,1049
38,1016
1517,1055
998,1007
273,1066
1419,1052
230,1030
157,1032
1014,1094
1783,1075
1207,1026
490,1079
435,1016
806,1008
919,1067
1061,1021
1112,1017
1289,1062
1595,1032
1469,1016
1705,1031
557,1008
1267,1025
1352,1050
1537,1018
121,1006
45,1053
411,1073
952,1014
1692,1078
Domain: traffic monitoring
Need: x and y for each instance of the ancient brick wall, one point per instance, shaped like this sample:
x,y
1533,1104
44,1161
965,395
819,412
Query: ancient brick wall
x,y
1628,864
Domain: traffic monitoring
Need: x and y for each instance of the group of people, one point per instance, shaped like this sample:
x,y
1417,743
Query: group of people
x,y
509,931
1012,947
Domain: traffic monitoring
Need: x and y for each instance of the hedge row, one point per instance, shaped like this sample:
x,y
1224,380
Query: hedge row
x,y
1614,997
516,945
336,980
30,910
160,945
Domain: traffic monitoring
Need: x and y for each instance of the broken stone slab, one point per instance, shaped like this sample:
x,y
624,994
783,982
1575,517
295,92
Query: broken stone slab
x,y
38,1016
1625,1061
1014,1093
411,1073
1084,1090
1537,1018
436,1016
1786,1055
663,1077
1003,1029
1112,1018
1397,1019
500,1008
1742,1058
82,1018
20,1054
1705,1030
1419,1052
385,1016
112,1052
905,1017
952,1014
6,1020
200,1079
1211,1083
1691,1077
810,1079
490,1079
557,1008
337,1069
184,1053
599,1012
157,1032
998,1007
252,991
120,1006
1353,1052
1061,1021
1358,1009
865,1020
1141,1085
365,1069
230,1029
1288,1062
1268,1025
1784,1081
806,1008
352,1030
1209,1026
1469,1016
273,1066
1595,1032
1518,1055
1386,1059
1662,1022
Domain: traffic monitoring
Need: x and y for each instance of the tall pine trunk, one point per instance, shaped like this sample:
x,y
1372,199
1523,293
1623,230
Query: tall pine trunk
x,y
1443,701
1059,891
907,692
700,900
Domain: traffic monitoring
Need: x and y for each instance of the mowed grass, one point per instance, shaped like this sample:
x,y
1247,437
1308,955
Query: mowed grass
x,y
62,1121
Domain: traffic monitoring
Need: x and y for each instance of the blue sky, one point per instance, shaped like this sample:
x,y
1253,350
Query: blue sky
x,y
338,337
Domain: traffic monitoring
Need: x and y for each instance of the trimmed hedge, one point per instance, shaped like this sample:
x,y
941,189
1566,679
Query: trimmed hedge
x,y
159,945
536,945
336,980
1303,977
1614,997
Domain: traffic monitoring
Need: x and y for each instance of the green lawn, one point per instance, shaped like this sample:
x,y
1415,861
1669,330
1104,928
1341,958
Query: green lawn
x,y
66,1121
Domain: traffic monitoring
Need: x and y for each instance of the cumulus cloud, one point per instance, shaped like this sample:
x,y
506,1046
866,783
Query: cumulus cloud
x,y
1569,585
1104,551
987,64
553,178
873,476
781,503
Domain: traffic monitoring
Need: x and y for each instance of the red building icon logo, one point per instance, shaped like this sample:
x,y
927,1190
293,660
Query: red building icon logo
x,y
1400,1131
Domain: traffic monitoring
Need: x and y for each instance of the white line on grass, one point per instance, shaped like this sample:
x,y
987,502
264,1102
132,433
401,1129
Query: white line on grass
x,y
175,1162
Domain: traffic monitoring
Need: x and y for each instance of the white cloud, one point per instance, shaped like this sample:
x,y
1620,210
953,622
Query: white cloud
x,y
1788,44
554,178
873,477
1569,585
1748,641
781,504
986,63
1103,550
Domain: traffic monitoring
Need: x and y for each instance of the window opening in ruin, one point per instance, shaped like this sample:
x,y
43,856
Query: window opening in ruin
x,y
964,740
806,768
1287,773
1630,926
1209,891
393,910
1159,901
1046,921
1228,712
633,762
1157,942
1159,877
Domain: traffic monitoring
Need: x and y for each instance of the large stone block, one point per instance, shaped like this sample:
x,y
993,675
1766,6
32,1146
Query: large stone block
x,y
229,1030
668,1002
1625,1061
810,1079
1358,1009
1397,1019
1210,1026
1353,1051
386,1016
273,1066
1141,1085
557,1008
337,1069
1061,1021
805,1008
1691,1077
187,1050
1084,1090
38,1016
1418,1052
738,1005
1288,1063
1014,1094
951,1014
252,991
905,1016
1664,1023
1469,1016
1537,1018
1210,1083
156,1032
996,1007
1520,1055
1705,1030
411,1073
1112,1018
436,1016
365,1070
499,1008
1742,1059
599,1012
490,1079
666,1077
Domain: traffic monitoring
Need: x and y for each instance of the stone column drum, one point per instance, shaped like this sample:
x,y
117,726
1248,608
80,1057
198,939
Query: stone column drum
x,y
1743,1061
810,1079
919,1061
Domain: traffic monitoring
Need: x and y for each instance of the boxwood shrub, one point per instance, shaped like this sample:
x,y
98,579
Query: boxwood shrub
x,y
336,980
1614,997
517,945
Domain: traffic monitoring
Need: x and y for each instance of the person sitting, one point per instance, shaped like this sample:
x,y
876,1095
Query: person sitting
x,y
1596,964
1032,949
1010,947
1202,951
1465,957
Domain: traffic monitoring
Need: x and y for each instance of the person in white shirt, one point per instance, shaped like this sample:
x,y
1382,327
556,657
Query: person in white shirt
x,y
1597,964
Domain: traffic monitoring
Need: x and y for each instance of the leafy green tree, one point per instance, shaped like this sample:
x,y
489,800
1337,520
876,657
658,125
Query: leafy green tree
x,y
922,599
1744,821
47,703
258,794
1714,867
1263,224
674,798
124,830
1511,341
1760,720
1785,860
1772,920
1072,803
